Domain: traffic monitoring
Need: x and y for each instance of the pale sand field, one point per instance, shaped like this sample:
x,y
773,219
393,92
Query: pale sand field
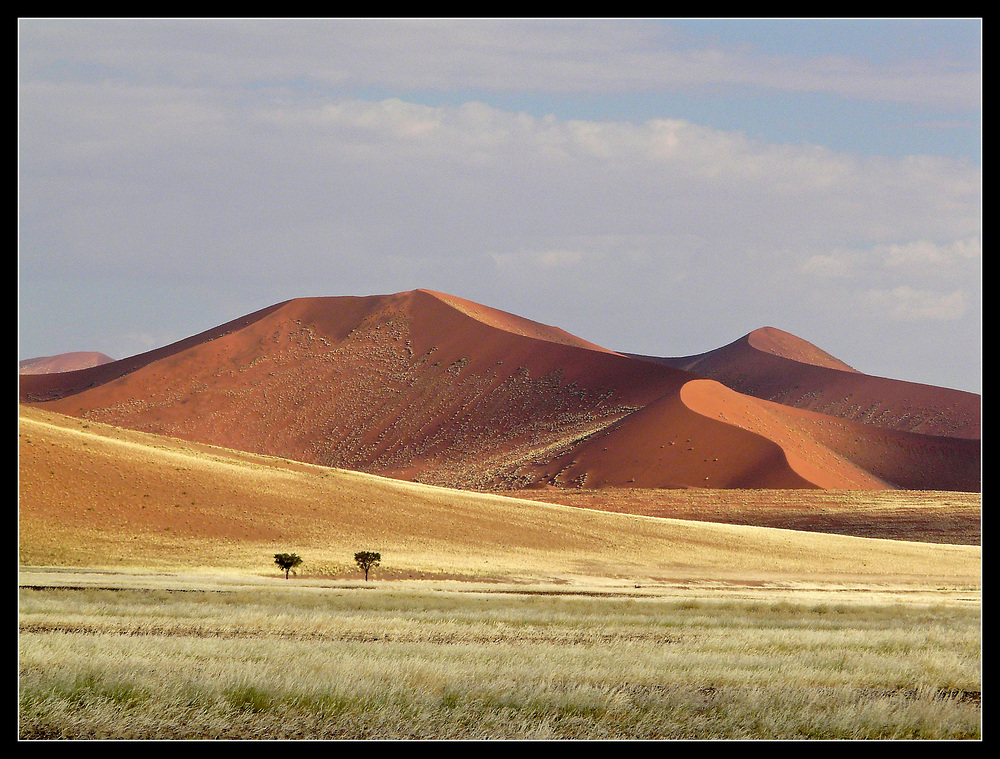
x,y
103,498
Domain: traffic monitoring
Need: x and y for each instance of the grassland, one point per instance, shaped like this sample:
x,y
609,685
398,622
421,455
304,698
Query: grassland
x,y
149,607
104,658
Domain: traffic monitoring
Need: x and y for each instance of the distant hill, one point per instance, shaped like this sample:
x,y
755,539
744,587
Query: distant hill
x,y
429,387
63,362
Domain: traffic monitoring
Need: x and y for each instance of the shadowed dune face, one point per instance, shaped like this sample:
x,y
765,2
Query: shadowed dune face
x,y
680,440
429,387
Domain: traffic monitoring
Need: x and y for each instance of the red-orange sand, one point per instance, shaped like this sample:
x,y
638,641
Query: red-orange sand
x,y
426,386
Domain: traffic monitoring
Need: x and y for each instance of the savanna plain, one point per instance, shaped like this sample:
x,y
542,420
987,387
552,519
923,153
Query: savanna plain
x,y
150,606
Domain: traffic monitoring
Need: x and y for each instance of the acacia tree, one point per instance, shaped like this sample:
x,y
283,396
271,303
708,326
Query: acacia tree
x,y
366,560
287,561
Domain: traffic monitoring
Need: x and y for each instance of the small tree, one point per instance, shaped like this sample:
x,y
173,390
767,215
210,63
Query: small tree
x,y
287,561
366,560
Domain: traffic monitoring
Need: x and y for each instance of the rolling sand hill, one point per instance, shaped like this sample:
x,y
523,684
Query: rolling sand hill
x,y
99,496
427,387
776,366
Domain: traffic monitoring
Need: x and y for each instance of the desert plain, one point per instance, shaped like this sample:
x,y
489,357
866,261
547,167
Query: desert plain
x,y
559,586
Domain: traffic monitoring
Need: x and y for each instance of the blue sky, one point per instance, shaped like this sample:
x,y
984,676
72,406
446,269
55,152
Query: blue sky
x,y
653,185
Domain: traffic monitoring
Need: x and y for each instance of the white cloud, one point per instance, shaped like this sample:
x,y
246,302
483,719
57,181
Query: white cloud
x,y
925,255
904,303
827,266
558,56
369,178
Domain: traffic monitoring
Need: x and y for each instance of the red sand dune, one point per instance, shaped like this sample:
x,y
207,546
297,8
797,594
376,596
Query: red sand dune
x,y
426,386
776,366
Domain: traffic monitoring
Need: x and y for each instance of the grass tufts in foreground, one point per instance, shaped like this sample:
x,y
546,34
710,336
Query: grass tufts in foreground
x,y
390,662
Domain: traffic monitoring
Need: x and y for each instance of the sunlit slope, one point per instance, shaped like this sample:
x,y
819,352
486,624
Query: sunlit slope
x,y
92,495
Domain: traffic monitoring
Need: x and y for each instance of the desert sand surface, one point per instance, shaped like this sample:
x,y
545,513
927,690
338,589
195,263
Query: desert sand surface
x,y
97,496
915,515
427,387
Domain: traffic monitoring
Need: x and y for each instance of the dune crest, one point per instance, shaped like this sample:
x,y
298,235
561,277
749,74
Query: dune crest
x,y
780,343
805,455
514,324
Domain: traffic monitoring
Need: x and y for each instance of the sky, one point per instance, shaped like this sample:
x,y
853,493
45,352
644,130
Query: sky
x,y
656,186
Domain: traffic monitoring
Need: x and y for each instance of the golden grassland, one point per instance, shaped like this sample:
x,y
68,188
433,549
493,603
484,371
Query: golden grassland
x,y
215,658
149,607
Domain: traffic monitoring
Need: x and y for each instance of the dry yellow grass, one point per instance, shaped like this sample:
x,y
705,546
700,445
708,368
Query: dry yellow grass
x,y
491,617
98,496
119,655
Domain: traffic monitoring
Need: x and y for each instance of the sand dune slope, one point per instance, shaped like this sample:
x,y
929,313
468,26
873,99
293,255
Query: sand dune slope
x,y
99,496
